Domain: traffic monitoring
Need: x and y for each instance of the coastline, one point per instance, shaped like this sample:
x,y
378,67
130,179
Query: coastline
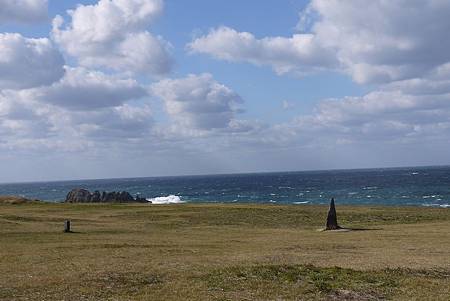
x,y
404,186
172,200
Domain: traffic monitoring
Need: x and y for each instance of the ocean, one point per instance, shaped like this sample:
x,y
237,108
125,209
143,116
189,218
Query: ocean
x,y
418,186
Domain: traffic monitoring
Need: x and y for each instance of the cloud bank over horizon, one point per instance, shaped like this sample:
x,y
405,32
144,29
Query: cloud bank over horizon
x,y
104,86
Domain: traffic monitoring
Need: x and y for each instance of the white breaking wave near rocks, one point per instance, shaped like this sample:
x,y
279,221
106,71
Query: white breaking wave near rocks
x,y
171,199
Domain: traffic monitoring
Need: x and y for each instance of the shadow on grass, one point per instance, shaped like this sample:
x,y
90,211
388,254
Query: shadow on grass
x,y
73,232
362,229
346,229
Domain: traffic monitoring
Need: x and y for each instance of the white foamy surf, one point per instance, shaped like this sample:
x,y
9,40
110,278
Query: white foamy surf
x,y
170,199
437,205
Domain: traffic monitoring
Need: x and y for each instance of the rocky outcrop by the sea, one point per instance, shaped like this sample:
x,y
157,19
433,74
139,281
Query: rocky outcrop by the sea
x,y
79,195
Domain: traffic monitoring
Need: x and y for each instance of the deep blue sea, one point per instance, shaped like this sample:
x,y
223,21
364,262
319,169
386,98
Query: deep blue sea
x,y
420,186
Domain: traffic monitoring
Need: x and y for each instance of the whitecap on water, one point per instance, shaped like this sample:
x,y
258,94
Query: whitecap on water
x,y
170,199
437,205
299,203
370,188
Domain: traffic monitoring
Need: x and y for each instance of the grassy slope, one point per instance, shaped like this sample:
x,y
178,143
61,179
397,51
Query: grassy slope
x,y
222,252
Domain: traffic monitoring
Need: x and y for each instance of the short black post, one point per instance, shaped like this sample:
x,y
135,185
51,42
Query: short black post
x,y
67,227
332,223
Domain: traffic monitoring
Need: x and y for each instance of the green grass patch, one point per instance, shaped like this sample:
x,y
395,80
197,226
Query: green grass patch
x,y
303,280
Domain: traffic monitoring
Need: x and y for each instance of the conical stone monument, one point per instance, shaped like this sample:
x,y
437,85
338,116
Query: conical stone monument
x,y
332,223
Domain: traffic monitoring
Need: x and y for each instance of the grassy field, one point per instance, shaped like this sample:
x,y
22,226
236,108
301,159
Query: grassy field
x,y
222,252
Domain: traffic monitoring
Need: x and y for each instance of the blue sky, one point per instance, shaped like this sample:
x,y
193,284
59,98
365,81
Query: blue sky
x,y
263,90
153,87
260,87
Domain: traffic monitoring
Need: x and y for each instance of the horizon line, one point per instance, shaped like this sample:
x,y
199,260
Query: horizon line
x,y
224,174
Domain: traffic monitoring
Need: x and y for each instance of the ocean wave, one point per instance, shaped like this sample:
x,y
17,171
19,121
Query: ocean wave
x,y
437,205
428,196
170,199
300,203
370,188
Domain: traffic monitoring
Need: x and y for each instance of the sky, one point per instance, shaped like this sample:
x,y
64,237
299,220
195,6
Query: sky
x,y
135,88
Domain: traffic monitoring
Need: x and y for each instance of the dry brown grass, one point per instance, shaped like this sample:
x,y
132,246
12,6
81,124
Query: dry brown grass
x,y
13,200
222,252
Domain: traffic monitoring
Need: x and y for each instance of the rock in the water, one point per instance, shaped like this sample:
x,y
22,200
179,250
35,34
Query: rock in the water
x,y
96,197
332,223
79,195
141,200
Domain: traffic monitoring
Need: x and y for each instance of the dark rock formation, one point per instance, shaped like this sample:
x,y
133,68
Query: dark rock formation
x,y
141,200
96,197
79,195
332,223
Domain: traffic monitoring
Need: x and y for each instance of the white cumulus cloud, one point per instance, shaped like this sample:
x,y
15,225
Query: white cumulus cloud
x,y
198,101
301,52
26,63
398,46
21,118
82,89
27,123
375,42
112,124
383,41
113,34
